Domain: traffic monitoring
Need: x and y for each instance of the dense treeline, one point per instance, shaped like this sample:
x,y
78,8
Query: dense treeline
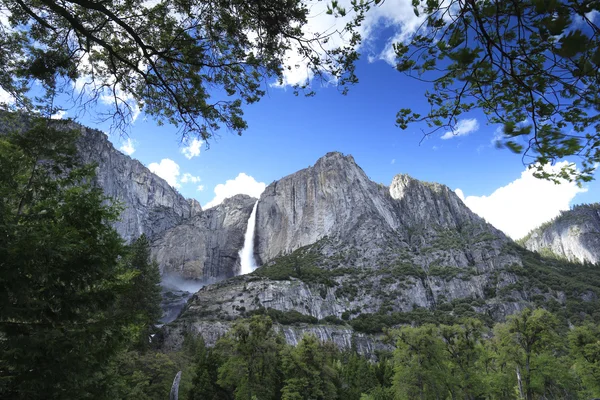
x,y
73,297
530,356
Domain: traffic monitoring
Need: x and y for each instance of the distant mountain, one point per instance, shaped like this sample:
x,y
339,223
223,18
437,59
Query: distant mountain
x,y
344,258
573,235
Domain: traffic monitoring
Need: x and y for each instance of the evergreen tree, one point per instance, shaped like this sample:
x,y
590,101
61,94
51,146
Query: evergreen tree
x,y
251,366
204,383
143,299
308,374
463,348
421,365
585,354
60,276
357,375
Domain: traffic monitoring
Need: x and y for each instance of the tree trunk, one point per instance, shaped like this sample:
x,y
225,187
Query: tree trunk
x,y
175,388
520,383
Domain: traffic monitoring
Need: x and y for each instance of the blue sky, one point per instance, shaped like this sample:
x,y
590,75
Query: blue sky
x,y
287,133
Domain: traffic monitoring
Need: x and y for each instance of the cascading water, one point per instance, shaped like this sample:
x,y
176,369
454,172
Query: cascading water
x,y
248,263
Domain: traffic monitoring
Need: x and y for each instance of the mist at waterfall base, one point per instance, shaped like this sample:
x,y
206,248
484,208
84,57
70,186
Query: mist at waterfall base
x,y
176,291
247,261
174,282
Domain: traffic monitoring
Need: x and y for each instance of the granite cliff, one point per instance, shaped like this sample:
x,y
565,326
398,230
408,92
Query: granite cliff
x,y
205,247
344,258
573,235
150,204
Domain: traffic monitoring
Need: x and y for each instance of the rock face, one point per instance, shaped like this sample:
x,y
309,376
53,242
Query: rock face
x,y
334,199
574,235
336,247
206,246
150,204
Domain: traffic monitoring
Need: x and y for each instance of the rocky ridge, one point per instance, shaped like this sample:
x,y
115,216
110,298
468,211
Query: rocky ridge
x,y
573,235
344,258
150,204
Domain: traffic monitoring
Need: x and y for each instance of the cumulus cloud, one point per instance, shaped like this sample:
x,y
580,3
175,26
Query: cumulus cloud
x,y
127,147
462,128
193,150
187,177
166,169
523,204
169,170
242,184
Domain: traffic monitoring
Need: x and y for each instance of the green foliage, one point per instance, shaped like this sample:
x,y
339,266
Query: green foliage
x,y
143,298
579,282
73,297
204,383
360,375
190,63
585,349
421,367
142,375
251,366
529,348
304,264
60,278
530,66
309,373
285,317
449,273
463,360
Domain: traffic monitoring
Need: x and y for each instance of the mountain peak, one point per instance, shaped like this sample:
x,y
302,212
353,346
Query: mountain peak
x,y
335,157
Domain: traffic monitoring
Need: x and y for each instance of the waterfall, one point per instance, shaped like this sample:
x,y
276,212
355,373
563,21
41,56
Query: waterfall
x,y
248,264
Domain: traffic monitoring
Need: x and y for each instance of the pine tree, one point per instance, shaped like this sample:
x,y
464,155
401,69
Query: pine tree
x,y
142,300
251,366
60,276
307,372
205,374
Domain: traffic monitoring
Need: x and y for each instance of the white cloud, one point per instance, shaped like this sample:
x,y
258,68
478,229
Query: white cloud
x,y
59,114
462,128
193,150
397,15
393,161
127,147
523,204
169,170
498,136
187,177
166,169
242,184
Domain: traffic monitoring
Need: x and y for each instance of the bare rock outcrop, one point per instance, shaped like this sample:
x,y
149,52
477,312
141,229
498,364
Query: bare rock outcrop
x,y
206,246
573,235
150,204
